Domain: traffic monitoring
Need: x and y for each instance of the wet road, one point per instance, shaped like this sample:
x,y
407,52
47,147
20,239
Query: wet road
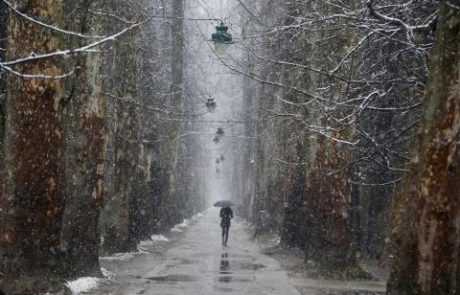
x,y
198,264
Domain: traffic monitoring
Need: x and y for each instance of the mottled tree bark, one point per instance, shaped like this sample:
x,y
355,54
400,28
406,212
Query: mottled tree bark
x,y
3,45
327,226
124,140
85,134
33,199
175,102
120,216
427,259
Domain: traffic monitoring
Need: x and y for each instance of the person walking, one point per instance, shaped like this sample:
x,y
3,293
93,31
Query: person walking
x,y
226,214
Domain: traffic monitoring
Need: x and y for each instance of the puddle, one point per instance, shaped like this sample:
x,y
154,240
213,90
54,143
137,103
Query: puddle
x,y
184,260
223,289
244,256
224,264
224,267
250,266
232,279
172,279
225,279
187,261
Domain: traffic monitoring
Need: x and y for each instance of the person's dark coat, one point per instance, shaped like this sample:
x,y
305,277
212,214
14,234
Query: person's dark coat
x,y
226,214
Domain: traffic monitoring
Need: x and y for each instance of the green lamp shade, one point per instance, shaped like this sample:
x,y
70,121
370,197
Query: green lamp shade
x,y
221,35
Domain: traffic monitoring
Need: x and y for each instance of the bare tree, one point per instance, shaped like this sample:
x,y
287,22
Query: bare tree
x,y
426,214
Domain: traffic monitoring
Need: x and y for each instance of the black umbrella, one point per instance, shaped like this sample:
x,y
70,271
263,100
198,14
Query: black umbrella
x,y
224,203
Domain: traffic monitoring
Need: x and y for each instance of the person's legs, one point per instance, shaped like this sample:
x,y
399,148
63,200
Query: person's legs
x,y
223,235
226,235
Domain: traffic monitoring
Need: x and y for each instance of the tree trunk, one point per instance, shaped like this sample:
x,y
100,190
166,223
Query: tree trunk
x,y
328,230
85,133
176,103
427,260
33,198
3,45
123,141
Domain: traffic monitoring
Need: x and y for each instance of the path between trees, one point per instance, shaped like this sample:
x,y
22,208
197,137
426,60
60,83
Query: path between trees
x,y
194,262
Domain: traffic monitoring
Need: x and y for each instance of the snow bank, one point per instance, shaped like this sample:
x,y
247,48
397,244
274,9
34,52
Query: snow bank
x,y
154,239
276,240
159,238
195,217
143,246
120,256
178,228
84,284
184,223
107,274
145,243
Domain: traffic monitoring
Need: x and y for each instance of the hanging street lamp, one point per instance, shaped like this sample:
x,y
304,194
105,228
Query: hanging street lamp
x,y
221,38
221,35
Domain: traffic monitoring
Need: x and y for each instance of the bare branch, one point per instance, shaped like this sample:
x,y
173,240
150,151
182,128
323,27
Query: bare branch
x,y
66,52
31,19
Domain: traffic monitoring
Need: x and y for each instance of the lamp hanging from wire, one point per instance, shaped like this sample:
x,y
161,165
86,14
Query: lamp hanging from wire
x,y
221,38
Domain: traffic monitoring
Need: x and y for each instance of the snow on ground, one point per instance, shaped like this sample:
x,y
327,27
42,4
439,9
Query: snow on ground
x,y
159,238
195,217
84,284
107,274
178,228
144,246
120,256
154,240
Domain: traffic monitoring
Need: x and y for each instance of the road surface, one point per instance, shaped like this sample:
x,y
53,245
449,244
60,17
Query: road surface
x,y
197,264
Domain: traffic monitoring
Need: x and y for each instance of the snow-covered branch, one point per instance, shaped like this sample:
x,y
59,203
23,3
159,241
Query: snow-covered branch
x,y
67,52
50,27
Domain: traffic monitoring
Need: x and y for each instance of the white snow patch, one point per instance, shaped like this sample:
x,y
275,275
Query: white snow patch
x,y
120,256
84,284
276,240
184,223
107,274
143,247
196,216
154,239
159,238
145,243
176,229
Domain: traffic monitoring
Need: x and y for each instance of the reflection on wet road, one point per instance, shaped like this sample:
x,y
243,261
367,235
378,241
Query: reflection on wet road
x,y
199,264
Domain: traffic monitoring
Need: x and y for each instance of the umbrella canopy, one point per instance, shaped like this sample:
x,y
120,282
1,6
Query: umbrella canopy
x,y
224,203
